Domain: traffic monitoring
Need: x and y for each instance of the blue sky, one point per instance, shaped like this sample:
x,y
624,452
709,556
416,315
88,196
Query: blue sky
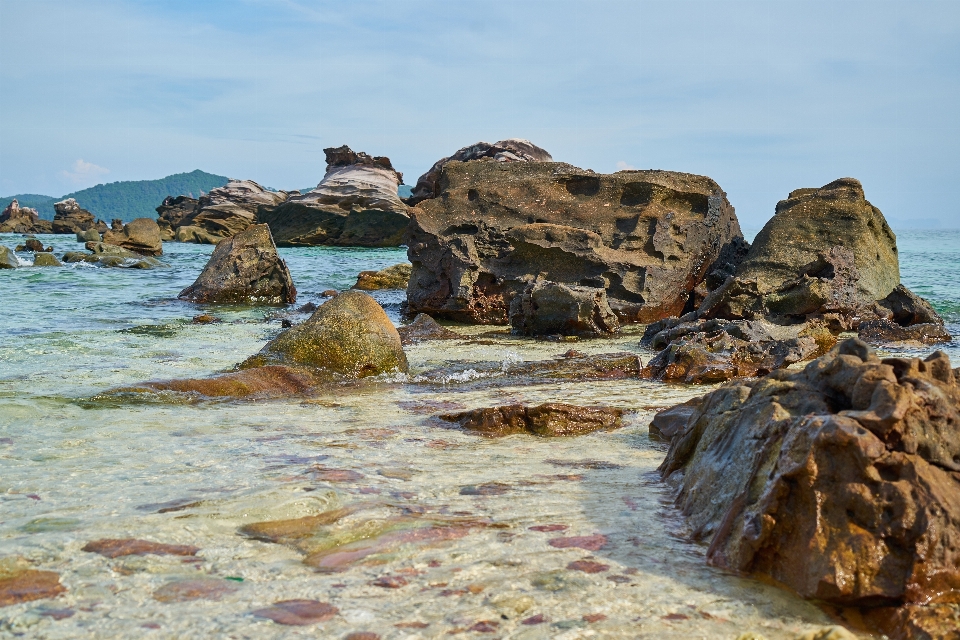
x,y
764,97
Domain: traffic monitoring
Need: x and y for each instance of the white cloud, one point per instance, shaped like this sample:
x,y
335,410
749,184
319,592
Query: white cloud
x,y
84,172
623,166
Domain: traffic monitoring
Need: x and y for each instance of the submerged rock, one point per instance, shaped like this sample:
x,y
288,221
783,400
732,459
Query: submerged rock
x,y
171,212
71,218
424,328
141,236
226,211
545,420
356,204
108,255
349,335
17,219
19,583
648,238
115,548
298,612
244,269
8,259
510,150
268,381
878,438
395,277
44,259
545,308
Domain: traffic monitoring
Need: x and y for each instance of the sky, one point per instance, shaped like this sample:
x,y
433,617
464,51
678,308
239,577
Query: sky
x,y
763,97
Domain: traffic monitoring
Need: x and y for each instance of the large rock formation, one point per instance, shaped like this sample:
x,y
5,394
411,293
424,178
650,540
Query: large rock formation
x,y
171,213
350,335
71,218
356,204
646,237
840,482
17,219
140,236
509,150
244,269
226,211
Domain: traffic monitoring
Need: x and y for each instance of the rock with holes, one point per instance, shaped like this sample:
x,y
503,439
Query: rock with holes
x,y
226,211
840,481
356,204
245,269
647,238
548,308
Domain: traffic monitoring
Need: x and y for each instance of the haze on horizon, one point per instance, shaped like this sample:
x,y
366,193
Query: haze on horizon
x,y
764,97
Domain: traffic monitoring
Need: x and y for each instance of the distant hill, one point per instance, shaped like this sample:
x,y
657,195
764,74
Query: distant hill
x,y
125,200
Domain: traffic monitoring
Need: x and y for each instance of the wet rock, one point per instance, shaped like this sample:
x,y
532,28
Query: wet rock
x,y
485,626
390,582
485,489
545,420
114,548
17,219
171,213
671,421
140,236
298,612
646,237
395,277
226,211
590,543
879,437
342,557
267,382
510,150
205,318
107,255
289,531
90,235
194,589
32,244
603,366
588,566
19,583
71,218
8,259
356,204
244,269
329,293
349,335
424,328
886,331
545,308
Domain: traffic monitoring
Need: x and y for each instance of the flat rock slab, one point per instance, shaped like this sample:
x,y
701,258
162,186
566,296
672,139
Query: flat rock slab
x,y
298,612
114,548
552,419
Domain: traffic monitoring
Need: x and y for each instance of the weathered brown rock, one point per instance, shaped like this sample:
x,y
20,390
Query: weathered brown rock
x,y
545,420
260,382
141,236
45,259
226,211
8,259
17,219
356,204
510,150
546,308
395,277
349,335
71,218
424,328
32,244
171,212
671,421
244,269
117,547
887,331
298,612
840,481
28,585
647,237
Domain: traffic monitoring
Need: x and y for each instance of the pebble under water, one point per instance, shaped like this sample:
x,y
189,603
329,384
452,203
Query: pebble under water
x,y
395,523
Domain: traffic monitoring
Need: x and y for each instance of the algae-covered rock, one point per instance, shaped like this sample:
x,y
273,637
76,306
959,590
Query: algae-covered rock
x,y
349,335
8,260
46,260
395,277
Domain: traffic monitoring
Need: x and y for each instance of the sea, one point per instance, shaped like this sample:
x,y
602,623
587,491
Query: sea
x,y
423,531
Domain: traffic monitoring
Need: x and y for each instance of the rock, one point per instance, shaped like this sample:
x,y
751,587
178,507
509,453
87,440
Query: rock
x,y
141,236
194,589
71,218
244,269
107,255
887,331
545,308
395,277
224,212
671,421
117,224
298,612
171,212
879,438
8,259
828,633
32,244
44,259
259,382
588,566
510,150
26,585
115,548
589,543
646,237
90,235
423,328
17,219
349,335
545,420
329,293
356,204
906,308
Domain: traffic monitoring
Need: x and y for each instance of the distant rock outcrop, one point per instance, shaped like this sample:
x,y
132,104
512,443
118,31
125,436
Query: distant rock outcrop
x,y
225,211
356,204
141,236
647,238
71,218
17,219
510,150
244,269
171,213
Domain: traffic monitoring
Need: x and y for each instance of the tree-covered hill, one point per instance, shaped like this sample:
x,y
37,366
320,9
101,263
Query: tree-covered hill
x,y
125,200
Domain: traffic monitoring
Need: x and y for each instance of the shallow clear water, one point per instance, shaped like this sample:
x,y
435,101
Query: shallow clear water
x,y
447,511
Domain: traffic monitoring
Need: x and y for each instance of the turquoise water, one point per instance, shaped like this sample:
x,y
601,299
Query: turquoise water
x,y
74,469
